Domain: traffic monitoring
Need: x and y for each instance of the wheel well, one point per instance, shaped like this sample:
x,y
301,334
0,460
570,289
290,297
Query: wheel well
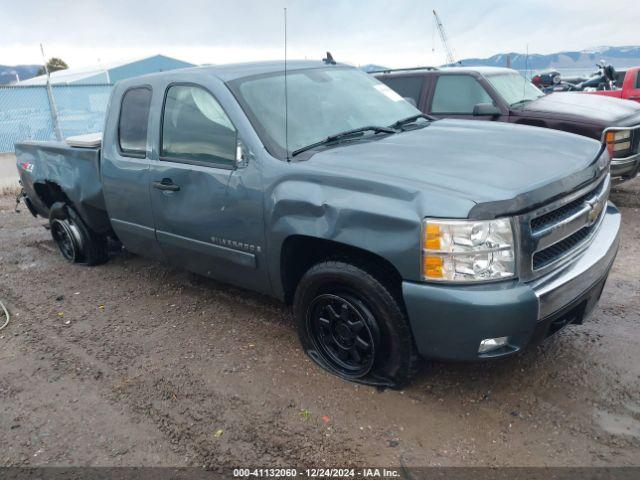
x,y
299,253
50,193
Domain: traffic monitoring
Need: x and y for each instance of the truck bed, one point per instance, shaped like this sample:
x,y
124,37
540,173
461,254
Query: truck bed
x,y
56,171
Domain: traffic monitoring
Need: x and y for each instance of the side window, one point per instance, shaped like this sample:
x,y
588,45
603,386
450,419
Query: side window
x,y
638,79
196,128
406,86
132,125
458,94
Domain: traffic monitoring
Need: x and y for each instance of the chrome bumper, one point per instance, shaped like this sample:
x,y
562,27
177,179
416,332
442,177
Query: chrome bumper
x,y
560,288
623,169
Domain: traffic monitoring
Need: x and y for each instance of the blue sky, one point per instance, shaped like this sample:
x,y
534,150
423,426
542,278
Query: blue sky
x,y
389,32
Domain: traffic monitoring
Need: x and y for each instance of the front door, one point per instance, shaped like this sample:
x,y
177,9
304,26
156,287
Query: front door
x,y
207,207
456,96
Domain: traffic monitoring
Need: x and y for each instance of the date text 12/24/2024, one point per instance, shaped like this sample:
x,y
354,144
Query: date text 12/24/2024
x,y
316,473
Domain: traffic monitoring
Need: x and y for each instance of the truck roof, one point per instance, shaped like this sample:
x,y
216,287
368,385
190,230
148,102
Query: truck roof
x,y
233,71
482,70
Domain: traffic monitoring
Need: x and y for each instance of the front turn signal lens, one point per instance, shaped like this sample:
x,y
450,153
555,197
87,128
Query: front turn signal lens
x,y
433,267
432,237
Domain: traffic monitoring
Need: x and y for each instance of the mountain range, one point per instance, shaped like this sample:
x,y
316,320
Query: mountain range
x,y
8,74
619,57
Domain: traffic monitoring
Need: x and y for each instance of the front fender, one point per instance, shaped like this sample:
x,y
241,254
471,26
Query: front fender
x,y
382,219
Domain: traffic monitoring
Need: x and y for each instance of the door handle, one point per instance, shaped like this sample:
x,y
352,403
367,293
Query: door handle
x,y
166,184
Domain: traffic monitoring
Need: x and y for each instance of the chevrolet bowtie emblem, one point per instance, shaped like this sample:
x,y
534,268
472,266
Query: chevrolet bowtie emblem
x,y
595,209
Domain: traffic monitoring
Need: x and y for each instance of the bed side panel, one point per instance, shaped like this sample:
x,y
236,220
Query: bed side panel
x,y
76,171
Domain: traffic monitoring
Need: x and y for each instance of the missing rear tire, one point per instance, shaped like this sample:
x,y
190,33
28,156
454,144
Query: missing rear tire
x,y
67,238
76,242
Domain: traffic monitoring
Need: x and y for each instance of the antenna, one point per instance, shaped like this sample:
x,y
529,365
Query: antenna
x,y
286,94
526,73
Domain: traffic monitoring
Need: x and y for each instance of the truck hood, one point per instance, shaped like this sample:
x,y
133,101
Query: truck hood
x,y
504,168
594,109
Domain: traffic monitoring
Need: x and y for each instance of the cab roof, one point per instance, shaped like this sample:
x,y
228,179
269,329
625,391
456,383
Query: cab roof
x,y
234,71
482,70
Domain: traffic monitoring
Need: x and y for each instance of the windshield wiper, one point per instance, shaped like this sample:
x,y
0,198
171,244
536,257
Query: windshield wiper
x,y
411,119
337,137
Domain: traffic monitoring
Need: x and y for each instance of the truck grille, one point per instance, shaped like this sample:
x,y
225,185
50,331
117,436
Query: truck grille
x,y
559,214
556,233
558,250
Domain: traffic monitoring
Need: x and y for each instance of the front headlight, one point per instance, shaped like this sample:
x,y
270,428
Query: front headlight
x,y
618,141
467,250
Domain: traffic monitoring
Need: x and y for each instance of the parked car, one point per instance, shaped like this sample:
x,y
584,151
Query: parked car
x,y
393,235
628,83
502,94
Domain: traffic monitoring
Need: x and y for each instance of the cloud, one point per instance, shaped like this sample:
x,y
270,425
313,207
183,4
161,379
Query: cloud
x,y
396,33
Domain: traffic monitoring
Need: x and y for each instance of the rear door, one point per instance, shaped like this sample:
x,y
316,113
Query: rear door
x,y
456,95
208,207
410,87
125,169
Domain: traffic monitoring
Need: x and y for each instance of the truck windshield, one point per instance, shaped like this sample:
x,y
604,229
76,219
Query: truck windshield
x,y
321,102
514,88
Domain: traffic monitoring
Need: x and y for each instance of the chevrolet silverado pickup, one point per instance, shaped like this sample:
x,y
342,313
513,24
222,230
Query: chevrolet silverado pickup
x,y
503,95
393,235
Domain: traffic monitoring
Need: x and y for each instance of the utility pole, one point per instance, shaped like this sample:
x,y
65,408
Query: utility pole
x,y
445,42
52,101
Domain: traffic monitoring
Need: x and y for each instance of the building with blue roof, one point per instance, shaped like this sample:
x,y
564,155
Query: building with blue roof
x,y
111,73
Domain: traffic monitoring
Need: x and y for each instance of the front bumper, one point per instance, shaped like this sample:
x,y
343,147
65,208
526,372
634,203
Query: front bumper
x,y
449,322
623,169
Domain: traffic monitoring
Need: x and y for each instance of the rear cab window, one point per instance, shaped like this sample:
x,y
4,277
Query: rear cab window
x,y
458,94
408,87
133,121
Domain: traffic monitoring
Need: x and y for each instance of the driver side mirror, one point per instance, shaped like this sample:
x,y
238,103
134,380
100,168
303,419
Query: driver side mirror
x,y
486,110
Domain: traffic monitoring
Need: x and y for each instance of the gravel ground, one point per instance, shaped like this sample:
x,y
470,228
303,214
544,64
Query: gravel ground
x,y
134,363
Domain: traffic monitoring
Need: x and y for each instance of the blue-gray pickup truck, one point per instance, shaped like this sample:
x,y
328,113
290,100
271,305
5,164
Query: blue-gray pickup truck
x,y
393,235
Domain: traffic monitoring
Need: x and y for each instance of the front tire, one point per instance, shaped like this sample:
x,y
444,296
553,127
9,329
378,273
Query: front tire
x,y
351,324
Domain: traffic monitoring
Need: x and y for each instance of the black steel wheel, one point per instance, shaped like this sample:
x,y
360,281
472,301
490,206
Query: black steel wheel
x,y
350,323
344,333
66,239
75,240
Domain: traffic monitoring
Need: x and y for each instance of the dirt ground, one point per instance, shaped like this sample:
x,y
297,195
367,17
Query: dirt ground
x,y
134,363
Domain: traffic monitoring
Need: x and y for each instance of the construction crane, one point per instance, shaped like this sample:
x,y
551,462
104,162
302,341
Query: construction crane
x,y
443,36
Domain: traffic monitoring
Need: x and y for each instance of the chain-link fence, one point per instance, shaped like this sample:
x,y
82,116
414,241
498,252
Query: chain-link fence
x,y
26,112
